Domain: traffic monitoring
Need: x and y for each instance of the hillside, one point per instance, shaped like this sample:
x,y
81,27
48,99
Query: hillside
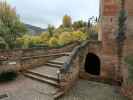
x,y
34,30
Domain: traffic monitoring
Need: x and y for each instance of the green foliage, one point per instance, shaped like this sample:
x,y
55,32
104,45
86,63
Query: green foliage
x,y
67,21
10,25
27,41
24,41
3,44
36,40
65,38
79,36
45,36
57,40
60,30
58,37
120,38
53,42
51,30
79,24
121,24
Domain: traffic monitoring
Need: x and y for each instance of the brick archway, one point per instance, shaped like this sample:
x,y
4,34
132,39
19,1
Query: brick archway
x,y
92,64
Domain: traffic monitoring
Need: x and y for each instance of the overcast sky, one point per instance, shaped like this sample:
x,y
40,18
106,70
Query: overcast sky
x,y
44,12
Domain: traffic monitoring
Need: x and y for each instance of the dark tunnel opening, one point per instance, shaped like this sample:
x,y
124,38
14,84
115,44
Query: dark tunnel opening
x,y
92,64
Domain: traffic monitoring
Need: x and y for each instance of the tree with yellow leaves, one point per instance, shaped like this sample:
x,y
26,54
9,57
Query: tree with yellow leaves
x,y
10,25
67,21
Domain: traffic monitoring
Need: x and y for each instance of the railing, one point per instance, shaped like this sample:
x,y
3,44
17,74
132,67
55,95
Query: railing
x,y
70,72
74,54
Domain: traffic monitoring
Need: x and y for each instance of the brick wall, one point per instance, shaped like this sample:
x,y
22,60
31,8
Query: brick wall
x,y
109,26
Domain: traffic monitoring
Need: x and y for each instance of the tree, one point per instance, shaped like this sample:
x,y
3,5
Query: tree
x,y
10,25
51,30
67,21
3,44
121,36
79,24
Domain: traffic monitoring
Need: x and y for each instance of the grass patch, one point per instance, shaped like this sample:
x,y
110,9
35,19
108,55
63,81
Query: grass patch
x,y
8,76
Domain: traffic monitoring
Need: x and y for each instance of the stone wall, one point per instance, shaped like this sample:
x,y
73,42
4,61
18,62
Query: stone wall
x,y
22,59
17,53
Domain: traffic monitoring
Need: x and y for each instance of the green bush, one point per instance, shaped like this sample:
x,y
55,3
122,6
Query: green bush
x,y
3,44
79,36
53,42
45,36
65,38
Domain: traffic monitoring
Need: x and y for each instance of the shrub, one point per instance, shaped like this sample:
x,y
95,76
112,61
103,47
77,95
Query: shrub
x,y
53,42
3,44
35,40
26,41
65,38
79,36
45,36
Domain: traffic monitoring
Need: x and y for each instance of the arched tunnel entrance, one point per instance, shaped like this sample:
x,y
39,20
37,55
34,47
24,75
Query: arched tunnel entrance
x,y
92,64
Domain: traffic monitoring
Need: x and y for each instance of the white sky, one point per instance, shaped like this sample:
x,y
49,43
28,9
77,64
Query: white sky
x,y
44,12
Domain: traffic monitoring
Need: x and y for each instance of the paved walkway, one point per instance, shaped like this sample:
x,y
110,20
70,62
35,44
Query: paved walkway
x,y
26,89
88,90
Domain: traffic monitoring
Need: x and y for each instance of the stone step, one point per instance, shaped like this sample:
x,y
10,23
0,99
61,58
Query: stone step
x,y
61,59
56,62
54,65
46,71
58,95
68,53
42,75
42,79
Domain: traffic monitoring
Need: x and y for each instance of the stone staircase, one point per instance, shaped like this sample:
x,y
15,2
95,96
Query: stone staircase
x,y
47,74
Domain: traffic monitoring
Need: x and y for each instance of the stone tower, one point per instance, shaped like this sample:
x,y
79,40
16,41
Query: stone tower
x,y
109,11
